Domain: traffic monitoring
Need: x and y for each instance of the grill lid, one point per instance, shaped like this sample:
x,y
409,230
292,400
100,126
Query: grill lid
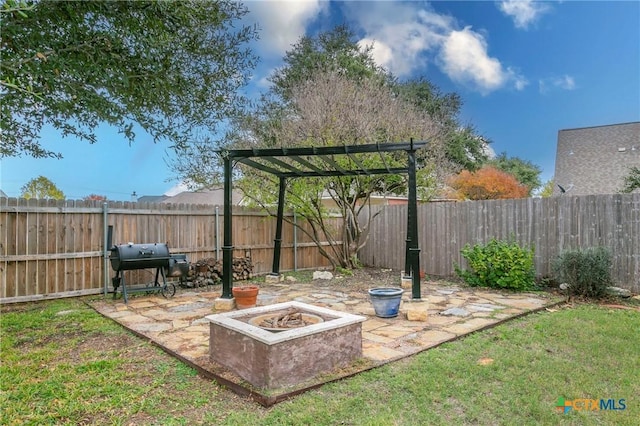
x,y
139,256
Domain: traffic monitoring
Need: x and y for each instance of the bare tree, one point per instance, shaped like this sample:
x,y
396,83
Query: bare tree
x,y
330,109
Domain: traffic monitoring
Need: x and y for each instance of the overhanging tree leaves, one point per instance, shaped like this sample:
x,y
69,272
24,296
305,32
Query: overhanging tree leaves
x,y
170,67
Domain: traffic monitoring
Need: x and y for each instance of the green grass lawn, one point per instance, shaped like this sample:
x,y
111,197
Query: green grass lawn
x,y
62,363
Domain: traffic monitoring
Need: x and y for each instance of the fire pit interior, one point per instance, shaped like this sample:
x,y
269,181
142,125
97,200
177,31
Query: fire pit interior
x,y
285,320
253,344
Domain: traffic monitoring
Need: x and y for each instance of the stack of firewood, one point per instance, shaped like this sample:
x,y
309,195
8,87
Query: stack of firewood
x,y
209,271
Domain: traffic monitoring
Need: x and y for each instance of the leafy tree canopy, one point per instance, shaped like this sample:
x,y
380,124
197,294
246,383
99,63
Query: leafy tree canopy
x,y
329,91
547,188
488,183
632,180
524,171
41,187
331,51
338,51
170,67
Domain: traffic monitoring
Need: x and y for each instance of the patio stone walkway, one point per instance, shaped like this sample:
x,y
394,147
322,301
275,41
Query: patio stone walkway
x,y
178,323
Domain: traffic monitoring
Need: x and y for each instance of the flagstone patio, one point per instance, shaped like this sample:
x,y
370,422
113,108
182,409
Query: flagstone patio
x,y
446,312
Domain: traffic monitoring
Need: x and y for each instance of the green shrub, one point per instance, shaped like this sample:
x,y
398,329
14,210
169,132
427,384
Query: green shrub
x,y
498,264
588,271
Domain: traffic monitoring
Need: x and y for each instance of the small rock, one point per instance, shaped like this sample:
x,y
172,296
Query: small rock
x,y
322,275
456,312
620,292
67,312
564,286
291,279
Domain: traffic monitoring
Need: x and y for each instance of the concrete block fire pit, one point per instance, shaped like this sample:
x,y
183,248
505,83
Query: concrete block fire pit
x,y
272,359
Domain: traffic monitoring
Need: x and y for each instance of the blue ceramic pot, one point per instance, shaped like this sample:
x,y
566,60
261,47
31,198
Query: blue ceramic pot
x,y
386,301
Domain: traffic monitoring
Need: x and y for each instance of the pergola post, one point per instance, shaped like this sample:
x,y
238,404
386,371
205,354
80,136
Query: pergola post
x,y
227,248
413,252
275,269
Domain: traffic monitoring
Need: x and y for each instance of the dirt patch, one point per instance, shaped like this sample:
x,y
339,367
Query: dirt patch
x,y
361,280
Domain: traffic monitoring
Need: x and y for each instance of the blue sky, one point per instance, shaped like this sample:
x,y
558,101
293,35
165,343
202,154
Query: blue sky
x,y
524,70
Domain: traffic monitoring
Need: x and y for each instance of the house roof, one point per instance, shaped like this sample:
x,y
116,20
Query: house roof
x,y
211,196
595,160
602,126
152,198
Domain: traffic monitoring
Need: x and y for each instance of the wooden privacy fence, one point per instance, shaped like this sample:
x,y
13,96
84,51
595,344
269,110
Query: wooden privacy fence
x,y
550,225
56,248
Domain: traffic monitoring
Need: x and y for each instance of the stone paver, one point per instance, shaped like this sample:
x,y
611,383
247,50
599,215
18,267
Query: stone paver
x,y
380,353
392,331
433,337
178,323
376,337
372,324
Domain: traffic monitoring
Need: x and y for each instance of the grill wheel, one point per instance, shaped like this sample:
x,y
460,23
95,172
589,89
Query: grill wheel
x,y
168,290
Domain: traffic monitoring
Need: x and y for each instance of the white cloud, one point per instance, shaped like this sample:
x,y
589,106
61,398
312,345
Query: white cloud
x,y
381,52
523,12
176,189
464,58
283,22
520,82
566,82
400,33
407,37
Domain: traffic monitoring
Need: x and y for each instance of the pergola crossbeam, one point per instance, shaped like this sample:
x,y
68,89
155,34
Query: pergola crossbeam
x,y
260,166
309,165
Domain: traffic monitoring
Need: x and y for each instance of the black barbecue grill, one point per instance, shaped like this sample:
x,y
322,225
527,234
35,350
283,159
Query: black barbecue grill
x,y
128,257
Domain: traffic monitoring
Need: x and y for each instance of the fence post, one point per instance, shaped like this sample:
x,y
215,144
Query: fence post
x,y
217,232
295,241
105,252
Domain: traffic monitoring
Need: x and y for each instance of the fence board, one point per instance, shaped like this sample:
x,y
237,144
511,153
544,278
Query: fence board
x,y
53,248
550,225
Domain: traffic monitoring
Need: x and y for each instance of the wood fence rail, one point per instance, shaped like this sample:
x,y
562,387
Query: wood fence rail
x,y
57,248
550,225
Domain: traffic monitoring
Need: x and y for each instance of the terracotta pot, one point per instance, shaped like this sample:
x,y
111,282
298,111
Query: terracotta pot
x,y
246,296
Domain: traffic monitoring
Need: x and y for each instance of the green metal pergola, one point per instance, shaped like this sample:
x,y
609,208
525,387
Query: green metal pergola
x,y
301,162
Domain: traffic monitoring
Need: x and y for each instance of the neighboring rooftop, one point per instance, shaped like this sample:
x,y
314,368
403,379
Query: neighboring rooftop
x,y
595,160
211,196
